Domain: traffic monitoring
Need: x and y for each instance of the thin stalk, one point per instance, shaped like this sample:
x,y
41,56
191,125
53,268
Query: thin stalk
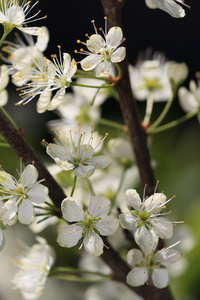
x,y
176,122
90,185
4,145
111,124
77,271
162,115
149,109
93,86
74,185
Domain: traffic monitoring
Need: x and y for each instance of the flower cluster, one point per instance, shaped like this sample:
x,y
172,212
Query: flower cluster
x,y
13,14
18,196
87,224
73,152
103,51
34,265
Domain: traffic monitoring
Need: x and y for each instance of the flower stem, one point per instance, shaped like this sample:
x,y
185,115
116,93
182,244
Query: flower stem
x,y
77,271
111,124
174,123
162,115
92,86
149,109
74,185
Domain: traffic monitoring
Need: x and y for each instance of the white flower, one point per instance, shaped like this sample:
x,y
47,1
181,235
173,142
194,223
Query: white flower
x,y
148,263
47,77
87,225
146,216
170,6
13,14
18,196
4,79
22,56
75,153
150,77
177,72
190,100
103,51
33,265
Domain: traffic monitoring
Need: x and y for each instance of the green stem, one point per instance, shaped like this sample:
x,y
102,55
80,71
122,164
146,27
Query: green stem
x,y
94,97
77,279
4,145
73,274
149,109
119,188
53,207
92,86
118,70
74,185
111,124
162,115
176,122
45,214
90,77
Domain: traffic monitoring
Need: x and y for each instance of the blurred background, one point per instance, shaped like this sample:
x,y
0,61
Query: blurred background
x,y
176,152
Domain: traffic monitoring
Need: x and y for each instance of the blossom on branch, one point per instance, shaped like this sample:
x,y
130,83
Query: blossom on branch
x,y
33,265
74,152
13,14
46,76
103,51
146,216
18,196
87,225
149,263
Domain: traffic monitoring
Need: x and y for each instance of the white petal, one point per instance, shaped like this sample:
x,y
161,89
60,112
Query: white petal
x,y
160,278
43,101
167,256
84,171
90,62
38,193
15,15
99,206
93,244
66,62
25,212
29,176
42,40
64,164
2,17
100,162
72,209
3,97
142,236
118,55
103,68
107,226
7,180
72,70
155,201
137,276
32,30
69,236
95,43
187,100
128,221
163,227
114,37
56,151
134,257
57,99
133,199
8,210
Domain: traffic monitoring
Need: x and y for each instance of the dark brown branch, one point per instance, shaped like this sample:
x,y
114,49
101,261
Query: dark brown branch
x,y
28,155
112,10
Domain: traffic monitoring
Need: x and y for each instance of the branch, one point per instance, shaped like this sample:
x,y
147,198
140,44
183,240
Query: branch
x,y
28,155
112,9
